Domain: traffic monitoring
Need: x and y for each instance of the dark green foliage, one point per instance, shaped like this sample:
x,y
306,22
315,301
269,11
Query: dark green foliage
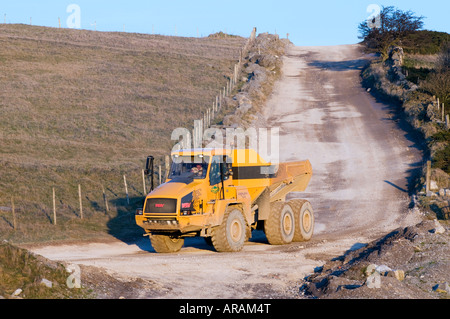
x,y
424,42
442,159
442,136
416,75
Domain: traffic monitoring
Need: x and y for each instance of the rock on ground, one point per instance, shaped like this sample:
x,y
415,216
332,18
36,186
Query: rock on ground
x,y
409,262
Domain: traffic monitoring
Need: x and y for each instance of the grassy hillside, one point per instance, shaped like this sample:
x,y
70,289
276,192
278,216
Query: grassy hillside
x,y
424,42
20,269
84,107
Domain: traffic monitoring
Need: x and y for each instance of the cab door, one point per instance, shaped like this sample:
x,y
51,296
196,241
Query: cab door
x,y
219,177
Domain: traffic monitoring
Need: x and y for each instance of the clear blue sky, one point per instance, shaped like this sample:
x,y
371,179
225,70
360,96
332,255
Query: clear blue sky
x,y
312,22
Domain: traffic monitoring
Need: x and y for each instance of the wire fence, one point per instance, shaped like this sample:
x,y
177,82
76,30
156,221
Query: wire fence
x,y
160,172
210,113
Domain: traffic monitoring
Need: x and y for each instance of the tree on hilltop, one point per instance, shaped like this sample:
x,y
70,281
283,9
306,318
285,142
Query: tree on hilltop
x,y
388,28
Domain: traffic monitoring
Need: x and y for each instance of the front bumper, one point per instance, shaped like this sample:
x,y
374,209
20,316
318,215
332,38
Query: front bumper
x,y
182,224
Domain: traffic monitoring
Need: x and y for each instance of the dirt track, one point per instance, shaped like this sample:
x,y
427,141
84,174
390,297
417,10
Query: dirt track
x,y
362,165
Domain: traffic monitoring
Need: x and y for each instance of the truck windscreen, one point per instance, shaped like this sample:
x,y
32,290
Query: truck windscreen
x,y
195,166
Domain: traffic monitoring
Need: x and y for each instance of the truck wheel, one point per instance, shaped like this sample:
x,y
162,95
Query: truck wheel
x,y
230,235
166,244
279,227
304,219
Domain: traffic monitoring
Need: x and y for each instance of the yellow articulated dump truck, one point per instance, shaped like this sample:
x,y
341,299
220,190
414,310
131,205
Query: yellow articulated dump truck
x,y
224,194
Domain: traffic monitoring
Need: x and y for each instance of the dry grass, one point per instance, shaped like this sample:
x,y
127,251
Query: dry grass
x,y
87,107
21,269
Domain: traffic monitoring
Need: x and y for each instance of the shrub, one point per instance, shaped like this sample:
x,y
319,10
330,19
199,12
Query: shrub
x,y
424,42
438,84
442,136
442,159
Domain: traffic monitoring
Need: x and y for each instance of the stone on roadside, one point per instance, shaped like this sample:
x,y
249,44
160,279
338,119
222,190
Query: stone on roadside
x,y
397,274
433,185
438,229
46,283
370,269
383,269
374,281
17,292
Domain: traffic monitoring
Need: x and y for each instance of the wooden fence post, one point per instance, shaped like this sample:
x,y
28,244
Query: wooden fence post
x,y
54,207
105,200
126,189
13,209
81,202
194,138
167,164
428,177
143,183
443,111
447,121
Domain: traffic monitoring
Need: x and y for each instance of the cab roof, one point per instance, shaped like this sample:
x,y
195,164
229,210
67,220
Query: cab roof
x,y
240,156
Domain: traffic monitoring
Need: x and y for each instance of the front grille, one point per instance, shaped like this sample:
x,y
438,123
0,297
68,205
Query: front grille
x,y
161,206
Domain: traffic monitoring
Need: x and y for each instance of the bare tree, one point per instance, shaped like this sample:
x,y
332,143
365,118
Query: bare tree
x,y
438,82
394,25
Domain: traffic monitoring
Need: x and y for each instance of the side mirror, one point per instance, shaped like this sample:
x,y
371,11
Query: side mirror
x,y
149,165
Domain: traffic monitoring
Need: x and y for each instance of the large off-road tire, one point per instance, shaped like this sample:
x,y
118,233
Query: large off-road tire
x,y
279,227
166,244
231,234
304,219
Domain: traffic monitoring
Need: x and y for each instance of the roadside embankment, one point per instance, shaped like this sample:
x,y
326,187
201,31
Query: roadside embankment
x,y
424,114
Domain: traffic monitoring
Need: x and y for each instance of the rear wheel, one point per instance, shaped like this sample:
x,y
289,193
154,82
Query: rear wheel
x,y
304,219
231,234
166,244
279,227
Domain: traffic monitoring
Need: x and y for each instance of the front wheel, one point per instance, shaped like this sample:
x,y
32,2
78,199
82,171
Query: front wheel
x,y
166,244
231,234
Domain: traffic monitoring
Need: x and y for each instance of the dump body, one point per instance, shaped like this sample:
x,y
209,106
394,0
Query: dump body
x,y
187,205
279,179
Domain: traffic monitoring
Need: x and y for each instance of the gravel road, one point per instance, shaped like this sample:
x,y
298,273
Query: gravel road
x,y
362,163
